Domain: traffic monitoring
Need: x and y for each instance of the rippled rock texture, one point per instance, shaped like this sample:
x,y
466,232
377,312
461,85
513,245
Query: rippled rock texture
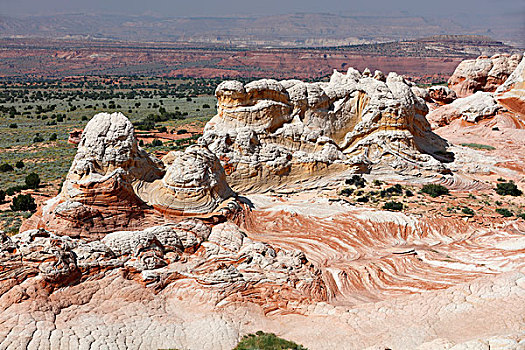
x,y
269,132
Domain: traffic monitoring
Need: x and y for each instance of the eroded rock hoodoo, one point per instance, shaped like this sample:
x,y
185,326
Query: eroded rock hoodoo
x,y
290,130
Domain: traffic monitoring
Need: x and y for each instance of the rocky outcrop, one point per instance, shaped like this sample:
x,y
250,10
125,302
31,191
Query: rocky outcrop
x,y
267,131
512,93
441,94
482,74
114,184
472,109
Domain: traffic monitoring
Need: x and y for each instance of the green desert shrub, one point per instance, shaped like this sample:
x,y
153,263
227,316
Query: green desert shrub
x,y
478,146
14,189
508,189
468,211
6,167
504,212
32,180
23,202
2,196
53,137
156,143
434,190
20,164
38,138
392,205
266,341
346,192
357,181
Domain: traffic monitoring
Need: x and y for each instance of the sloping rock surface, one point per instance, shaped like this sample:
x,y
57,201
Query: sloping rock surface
x,y
512,93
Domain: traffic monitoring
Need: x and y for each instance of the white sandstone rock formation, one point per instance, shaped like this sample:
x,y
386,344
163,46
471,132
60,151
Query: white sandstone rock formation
x,y
268,132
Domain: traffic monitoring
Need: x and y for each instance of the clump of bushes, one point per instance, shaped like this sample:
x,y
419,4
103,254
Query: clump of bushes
x,y
346,192
32,180
468,211
2,196
53,137
20,164
38,138
363,199
395,190
434,190
508,189
23,202
266,341
392,205
156,143
504,212
356,181
6,167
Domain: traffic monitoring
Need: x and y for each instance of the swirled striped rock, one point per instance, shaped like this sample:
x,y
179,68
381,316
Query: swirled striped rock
x,y
114,185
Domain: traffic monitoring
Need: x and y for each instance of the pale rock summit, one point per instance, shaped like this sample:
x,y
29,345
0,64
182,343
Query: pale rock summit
x,y
482,74
289,130
194,182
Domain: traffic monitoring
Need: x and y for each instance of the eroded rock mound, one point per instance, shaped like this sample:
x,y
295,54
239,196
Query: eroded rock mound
x,y
114,184
195,182
291,130
482,74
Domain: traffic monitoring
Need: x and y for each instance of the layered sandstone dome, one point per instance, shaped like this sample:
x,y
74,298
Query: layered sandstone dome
x,y
482,74
289,130
114,184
